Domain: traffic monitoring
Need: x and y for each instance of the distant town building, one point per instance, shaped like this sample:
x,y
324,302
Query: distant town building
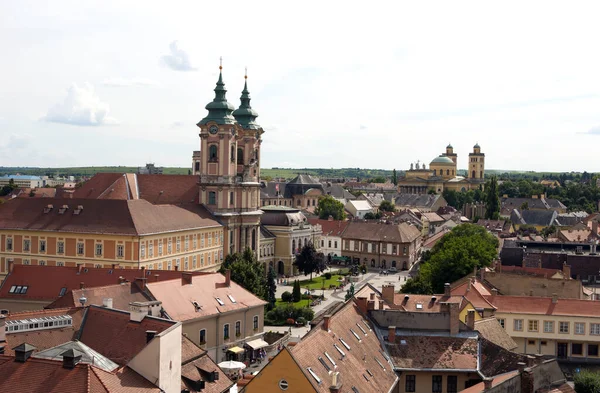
x,y
25,181
150,169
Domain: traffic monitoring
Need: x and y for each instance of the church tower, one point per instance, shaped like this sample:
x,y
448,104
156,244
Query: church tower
x,y
450,153
476,164
229,168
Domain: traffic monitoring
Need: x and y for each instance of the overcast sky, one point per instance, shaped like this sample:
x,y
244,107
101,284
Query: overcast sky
x,y
336,84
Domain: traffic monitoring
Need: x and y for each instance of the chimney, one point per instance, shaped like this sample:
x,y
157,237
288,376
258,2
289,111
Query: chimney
x,y
326,320
372,296
336,385
554,298
156,276
186,278
494,294
530,361
471,318
527,385
107,302
371,305
521,366
567,271
137,311
70,358
447,289
79,268
143,268
361,302
392,334
594,227
487,383
381,305
23,352
81,285
227,278
454,319
150,335
2,333
387,293
11,266
141,282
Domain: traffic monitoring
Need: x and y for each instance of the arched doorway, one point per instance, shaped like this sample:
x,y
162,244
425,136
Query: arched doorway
x,y
372,263
280,268
383,264
404,266
393,263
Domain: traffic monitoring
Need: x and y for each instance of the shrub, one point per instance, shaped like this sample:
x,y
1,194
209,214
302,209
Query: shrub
x,y
327,276
296,294
290,321
286,296
587,382
301,321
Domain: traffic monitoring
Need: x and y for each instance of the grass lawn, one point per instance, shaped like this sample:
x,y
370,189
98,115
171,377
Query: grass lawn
x,y
317,282
300,304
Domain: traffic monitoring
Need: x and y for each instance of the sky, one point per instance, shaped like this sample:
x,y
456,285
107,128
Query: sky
x,y
336,83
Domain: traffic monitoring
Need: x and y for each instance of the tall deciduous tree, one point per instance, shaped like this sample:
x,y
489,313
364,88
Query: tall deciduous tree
x,y
309,261
394,177
329,206
296,294
492,200
247,272
386,206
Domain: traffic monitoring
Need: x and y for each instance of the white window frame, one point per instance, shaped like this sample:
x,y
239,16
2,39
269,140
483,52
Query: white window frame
x,y
60,247
81,246
99,247
178,245
151,248
160,247
548,326
120,250
595,329
564,323
518,322
142,251
26,245
579,325
42,243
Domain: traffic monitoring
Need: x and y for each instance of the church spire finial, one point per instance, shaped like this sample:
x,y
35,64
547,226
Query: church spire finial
x,y
245,115
220,63
246,73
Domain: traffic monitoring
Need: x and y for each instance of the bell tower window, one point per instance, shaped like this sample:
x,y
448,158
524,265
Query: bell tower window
x,y
212,198
212,153
240,156
232,153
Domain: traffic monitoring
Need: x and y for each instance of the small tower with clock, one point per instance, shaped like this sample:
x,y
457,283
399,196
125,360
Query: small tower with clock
x,y
229,168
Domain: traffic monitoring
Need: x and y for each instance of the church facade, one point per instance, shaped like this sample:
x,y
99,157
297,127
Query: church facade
x,y
228,166
442,174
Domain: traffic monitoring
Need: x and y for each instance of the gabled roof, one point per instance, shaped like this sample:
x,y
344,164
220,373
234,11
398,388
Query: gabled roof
x,y
121,295
490,329
330,228
177,299
373,231
374,199
362,365
432,217
417,200
112,333
423,303
196,364
121,217
304,179
534,217
48,282
88,355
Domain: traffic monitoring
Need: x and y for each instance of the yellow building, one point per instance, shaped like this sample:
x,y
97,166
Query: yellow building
x,y
443,174
108,233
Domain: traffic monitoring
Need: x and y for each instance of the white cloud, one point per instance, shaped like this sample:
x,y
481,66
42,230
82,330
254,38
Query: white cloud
x,y
177,124
124,82
593,131
81,107
16,142
178,60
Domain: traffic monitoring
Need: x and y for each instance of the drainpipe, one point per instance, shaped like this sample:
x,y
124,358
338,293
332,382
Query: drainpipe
x,y
217,336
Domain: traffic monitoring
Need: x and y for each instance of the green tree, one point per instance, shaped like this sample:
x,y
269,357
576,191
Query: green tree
x,y
309,261
7,189
456,254
386,206
329,206
378,179
350,292
247,272
271,289
587,381
296,294
492,201
394,177
417,285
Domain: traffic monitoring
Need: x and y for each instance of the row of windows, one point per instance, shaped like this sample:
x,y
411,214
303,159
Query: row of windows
x,y
475,159
329,243
60,247
226,332
267,251
193,262
213,154
441,172
436,383
373,247
549,326
211,238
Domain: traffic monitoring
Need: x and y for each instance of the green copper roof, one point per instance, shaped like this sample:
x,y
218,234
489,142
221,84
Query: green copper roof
x,y
449,146
476,146
245,115
442,160
219,110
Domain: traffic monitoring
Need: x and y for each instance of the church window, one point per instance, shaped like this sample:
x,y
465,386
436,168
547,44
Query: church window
x,y
212,153
197,169
447,172
434,172
481,174
232,153
212,198
473,174
231,198
240,156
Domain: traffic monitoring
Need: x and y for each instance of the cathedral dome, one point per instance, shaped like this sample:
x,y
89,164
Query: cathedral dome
x,y
443,160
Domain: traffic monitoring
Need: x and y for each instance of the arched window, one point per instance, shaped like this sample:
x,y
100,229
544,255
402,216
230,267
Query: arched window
x,y
447,172
434,172
232,155
253,239
212,153
473,175
481,174
240,156
293,246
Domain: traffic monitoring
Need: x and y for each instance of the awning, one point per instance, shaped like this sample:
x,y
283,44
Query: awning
x,y
235,349
257,344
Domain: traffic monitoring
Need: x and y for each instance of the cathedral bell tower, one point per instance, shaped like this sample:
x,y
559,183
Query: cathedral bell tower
x,y
476,164
229,168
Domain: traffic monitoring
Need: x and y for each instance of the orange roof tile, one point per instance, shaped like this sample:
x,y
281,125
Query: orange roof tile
x,y
434,352
121,295
330,228
498,379
545,306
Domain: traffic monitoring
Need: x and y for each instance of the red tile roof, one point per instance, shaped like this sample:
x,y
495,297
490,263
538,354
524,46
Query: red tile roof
x,y
134,217
434,352
114,335
373,231
205,289
427,305
330,228
545,306
46,282
534,271
498,379
121,295
98,185
197,369
363,355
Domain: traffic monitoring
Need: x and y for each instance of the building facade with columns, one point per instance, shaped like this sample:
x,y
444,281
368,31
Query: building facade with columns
x,y
443,174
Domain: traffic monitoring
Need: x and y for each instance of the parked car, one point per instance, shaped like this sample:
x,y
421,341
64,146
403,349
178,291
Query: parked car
x,y
393,270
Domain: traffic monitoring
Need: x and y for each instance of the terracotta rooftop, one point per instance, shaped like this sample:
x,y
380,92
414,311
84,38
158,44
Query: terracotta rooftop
x,y
423,303
51,282
545,306
49,376
362,364
121,295
330,228
434,352
206,290
114,335
497,380
122,217
475,292
491,330
373,231
534,271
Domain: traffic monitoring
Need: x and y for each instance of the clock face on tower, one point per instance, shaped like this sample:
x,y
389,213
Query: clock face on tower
x,y
213,129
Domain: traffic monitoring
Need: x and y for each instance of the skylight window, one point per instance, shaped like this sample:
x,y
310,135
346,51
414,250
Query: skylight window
x,y
345,344
314,375
355,335
231,298
370,373
366,378
12,289
24,289
324,364
361,329
419,306
220,301
330,359
378,362
403,342
367,325
339,350
355,389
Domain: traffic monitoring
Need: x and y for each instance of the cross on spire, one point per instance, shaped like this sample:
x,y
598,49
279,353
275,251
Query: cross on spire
x,y
220,62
